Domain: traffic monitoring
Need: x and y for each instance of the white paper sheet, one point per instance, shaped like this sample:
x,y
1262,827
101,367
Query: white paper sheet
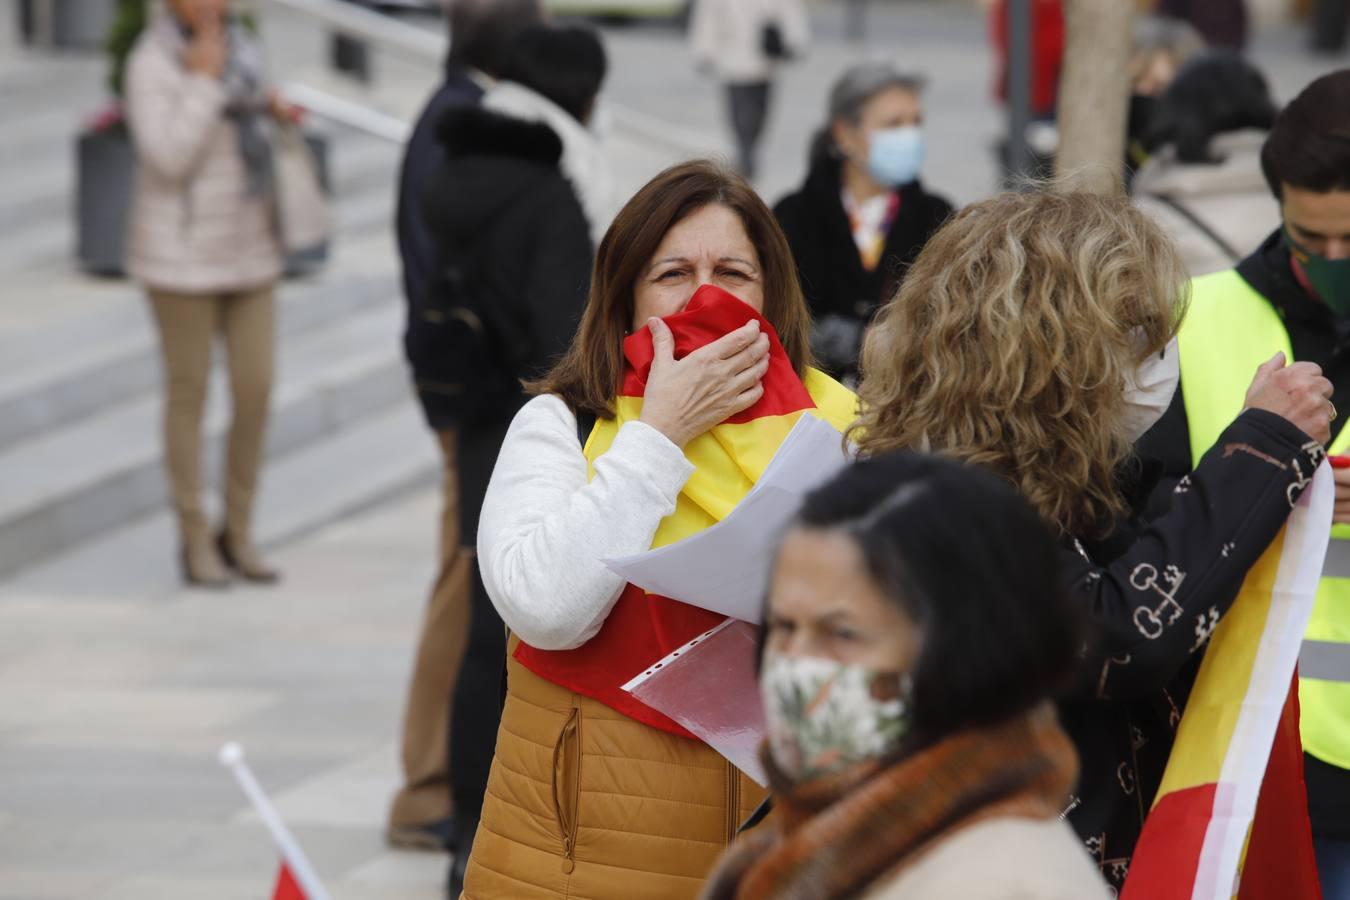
x,y
725,568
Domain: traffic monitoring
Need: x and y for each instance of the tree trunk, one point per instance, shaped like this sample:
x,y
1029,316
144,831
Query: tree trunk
x,y
1094,94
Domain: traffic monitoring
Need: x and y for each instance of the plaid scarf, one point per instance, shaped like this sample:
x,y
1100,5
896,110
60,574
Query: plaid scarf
x,y
835,837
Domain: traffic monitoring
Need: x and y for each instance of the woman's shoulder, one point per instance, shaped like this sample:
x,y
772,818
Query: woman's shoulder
x,y
936,206
544,414
1018,858
152,50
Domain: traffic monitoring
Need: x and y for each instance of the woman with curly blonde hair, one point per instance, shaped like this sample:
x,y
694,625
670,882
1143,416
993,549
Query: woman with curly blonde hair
x,y
1035,336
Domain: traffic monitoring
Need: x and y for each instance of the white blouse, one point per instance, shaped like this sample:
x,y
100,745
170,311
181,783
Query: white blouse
x,y
545,528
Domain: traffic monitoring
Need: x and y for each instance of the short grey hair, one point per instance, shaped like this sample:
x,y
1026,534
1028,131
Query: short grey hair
x,y
859,84
1163,34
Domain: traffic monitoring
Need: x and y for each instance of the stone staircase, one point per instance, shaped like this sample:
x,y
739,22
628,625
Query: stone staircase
x,y
83,496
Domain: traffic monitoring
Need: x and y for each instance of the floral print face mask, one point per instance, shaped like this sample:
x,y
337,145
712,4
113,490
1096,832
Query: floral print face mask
x,y
825,716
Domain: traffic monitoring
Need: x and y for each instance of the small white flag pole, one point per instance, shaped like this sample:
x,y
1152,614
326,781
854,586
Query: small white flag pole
x,y
232,758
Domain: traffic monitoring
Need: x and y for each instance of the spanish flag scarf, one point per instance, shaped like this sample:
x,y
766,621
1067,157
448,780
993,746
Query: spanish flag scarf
x,y
642,628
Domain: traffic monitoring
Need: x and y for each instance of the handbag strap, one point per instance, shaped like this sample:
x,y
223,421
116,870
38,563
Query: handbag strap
x,y
1204,227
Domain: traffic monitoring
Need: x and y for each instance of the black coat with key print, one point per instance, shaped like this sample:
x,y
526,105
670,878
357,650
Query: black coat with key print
x,y
1155,588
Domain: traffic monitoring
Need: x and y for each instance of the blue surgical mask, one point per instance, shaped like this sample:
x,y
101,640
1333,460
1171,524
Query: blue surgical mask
x,y
895,155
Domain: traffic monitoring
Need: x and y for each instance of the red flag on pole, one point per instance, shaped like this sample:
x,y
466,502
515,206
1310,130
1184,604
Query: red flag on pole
x,y
287,888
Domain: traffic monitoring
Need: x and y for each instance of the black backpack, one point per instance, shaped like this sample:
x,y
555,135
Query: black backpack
x,y
468,346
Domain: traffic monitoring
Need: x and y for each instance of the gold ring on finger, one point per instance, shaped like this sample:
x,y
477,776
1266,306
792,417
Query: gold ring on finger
x,y
1333,410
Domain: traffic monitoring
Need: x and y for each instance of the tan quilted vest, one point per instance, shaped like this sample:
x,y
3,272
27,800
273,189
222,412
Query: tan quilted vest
x,y
584,802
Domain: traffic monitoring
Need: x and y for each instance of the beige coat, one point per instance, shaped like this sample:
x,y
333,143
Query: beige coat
x,y
1230,197
1001,859
195,228
727,36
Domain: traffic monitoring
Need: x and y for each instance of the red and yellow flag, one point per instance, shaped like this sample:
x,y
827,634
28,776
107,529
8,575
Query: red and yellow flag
x,y
1231,817
643,628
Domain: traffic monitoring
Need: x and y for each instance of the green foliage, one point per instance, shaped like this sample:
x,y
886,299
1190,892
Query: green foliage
x,y
126,28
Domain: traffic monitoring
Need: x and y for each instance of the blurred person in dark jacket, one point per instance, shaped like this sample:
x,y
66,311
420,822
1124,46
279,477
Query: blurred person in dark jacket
x,y
481,35
862,216
511,208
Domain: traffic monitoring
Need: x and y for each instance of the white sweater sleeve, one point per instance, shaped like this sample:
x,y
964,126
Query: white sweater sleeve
x,y
544,528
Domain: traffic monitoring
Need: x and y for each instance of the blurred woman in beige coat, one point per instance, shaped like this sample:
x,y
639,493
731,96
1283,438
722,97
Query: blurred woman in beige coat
x,y
204,245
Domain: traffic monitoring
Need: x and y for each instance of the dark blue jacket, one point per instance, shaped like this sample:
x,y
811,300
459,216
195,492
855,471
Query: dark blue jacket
x,y
422,160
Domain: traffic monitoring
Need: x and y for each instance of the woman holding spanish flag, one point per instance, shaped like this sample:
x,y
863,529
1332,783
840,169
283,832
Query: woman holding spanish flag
x,y
1035,336
690,367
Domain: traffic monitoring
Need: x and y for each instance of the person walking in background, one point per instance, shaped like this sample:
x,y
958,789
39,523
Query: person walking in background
x,y
593,793
981,357
1202,181
742,43
204,245
508,211
917,605
1290,296
481,34
862,215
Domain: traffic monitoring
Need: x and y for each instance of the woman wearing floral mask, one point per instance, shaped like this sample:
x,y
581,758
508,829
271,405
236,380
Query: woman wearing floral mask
x,y
862,215
1035,335
916,630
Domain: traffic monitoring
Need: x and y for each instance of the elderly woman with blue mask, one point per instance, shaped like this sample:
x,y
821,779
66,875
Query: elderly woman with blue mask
x,y
862,215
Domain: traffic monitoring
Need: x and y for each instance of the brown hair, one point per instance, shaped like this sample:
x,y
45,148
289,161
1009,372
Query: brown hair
x,y
588,377
1010,342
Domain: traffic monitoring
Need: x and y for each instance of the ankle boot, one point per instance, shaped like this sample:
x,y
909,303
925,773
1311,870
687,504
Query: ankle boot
x,y
243,558
200,560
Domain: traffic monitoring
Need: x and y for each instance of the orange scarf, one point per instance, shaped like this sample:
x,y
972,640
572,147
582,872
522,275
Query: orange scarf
x,y
836,837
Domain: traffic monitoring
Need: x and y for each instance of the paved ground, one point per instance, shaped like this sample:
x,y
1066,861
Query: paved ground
x,y
112,709
117,687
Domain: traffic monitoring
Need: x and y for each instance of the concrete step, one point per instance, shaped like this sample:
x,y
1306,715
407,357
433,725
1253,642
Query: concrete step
x,y
301,492
97,346
99,472
37,229
46,194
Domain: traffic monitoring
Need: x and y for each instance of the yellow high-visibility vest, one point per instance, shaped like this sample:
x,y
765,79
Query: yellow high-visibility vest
x,y
1229,331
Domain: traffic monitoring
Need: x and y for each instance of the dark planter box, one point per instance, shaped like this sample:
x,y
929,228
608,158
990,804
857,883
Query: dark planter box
x,y
105,168
76,24
105,172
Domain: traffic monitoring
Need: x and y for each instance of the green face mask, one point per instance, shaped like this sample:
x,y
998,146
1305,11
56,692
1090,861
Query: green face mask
x,y
1330,278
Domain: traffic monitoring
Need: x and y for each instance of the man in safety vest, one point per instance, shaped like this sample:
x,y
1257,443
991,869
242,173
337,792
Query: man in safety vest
x,y
1291,296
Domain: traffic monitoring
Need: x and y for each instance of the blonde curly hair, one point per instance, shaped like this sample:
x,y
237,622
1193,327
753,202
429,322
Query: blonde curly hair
x,y
1010,342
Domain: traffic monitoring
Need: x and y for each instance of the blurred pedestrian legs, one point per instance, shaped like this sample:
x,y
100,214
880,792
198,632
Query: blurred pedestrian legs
x,y
420,817
742,43
749,105
187,325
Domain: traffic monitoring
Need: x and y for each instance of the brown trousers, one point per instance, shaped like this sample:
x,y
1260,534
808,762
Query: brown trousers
x,y
188,325
425,795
